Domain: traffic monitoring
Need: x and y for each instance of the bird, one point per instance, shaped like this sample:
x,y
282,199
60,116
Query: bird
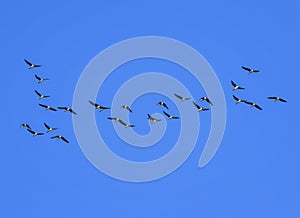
x,y
116,119
60,137
40,80
47,107
163,104
40,95
49,129
25,125
126,124
181,98
35,133
67,109
31,65
253,105
235,86
238,100
277,99
250,70
207,100
200,108
127,108
97,106
152,119
169,116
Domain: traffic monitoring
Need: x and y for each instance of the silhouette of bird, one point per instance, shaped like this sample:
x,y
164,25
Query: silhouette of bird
x,y
169,116
31,65
235,86
40,80
67,109
49,129
152,119
163,104
25,125
60,137
250,70
253,105
97,106
207,100
127,108
181,98
238,100
40,95
277,99
35,133
126,124
200,108
47,107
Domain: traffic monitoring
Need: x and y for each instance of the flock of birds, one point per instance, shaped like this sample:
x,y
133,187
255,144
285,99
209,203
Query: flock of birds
x,y
126,107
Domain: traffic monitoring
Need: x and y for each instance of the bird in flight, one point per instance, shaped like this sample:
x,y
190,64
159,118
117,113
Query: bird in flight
x,y
277,99
163,104
97,106
126,124
181,98
152,119
237,100
253,105
235,86
207,100
200,108
116,119
169,116
40,80
40,95
67,109
49,129
35,133
25,125
60,137
31,65
250,70
47,107
127,108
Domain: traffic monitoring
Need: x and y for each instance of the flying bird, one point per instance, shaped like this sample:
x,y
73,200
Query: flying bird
x,y
169,116
47,107
163,104
237,100
67,109
25,125
235,86
31,65
49,129
40,80
127,108
116,119
40,95
277,99
97,106
60,137
152,119
207,100
200,108
250,70
35,133
126,124
181,98
253,105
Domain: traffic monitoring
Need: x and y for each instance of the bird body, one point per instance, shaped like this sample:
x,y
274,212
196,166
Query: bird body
x,y
235,86
163,104
200,108
49,129
152,119
127,108
238,100
40,95
40,80
207,100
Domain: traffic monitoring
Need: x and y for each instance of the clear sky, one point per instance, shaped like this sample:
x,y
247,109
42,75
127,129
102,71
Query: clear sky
x,y
255,173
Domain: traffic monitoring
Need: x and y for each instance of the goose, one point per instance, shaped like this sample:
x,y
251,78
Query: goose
x,y
60,137
127,108
253,105
97,106
277,99
47,107
250,70
25,125
235,86
31,65
35,133
162,104
67,109
152,119
40,95
40,80
49,129
169,116
181,98
237,100
207,100
200,108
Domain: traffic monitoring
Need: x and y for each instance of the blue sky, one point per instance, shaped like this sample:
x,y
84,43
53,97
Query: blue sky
x,y
256,170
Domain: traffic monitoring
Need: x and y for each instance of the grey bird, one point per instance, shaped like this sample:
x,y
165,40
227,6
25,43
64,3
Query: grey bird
x,y
200,108
40,80
181,98
31,65
277,99
60,137
250,70
97,106
163,104
49,129
47,107
170,117
207,100
67,109
152,119
235,86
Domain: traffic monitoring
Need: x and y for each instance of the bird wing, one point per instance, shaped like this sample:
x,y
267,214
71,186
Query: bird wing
x,y
27,62
29,130
209,101
36,76
196,105
282,100
246,68
39,94
62,108
273,98
64,139
255,71
42,105
48,127
53,109
122,122
168,115
92,103
178,96
258,107
233,83
175,117
73,112
248,102
40,133
165,105
235,98
205,109
53,137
